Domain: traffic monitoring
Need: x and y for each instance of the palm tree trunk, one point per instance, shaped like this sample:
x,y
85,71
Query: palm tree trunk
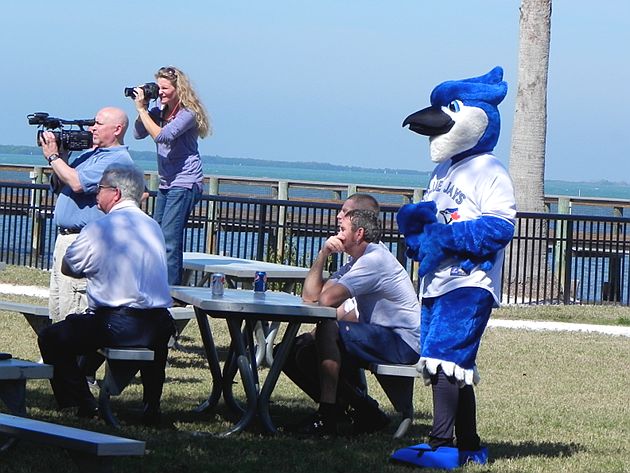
x,y
527,157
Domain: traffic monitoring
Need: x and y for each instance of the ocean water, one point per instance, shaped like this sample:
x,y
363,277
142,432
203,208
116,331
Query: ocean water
x,y
279,171
338,174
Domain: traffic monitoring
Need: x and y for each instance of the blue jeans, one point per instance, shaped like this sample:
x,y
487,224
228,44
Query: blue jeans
x,y
172,209
371,343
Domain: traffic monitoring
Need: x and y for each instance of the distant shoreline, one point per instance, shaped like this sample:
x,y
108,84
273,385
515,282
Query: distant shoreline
x,y
150,155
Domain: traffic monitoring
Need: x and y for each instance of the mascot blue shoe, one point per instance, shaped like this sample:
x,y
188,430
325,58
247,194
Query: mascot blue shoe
x,y
445,458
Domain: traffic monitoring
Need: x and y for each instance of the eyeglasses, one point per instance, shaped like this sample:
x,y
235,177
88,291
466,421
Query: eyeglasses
x,y
100,187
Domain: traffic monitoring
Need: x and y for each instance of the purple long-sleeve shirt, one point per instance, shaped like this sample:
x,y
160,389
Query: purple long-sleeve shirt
x,y
179,163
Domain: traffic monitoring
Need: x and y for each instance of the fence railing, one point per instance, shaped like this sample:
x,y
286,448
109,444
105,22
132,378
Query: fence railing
x,y
292,189
553,259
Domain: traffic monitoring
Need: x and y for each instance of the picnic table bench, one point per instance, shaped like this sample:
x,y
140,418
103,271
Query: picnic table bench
x,y
92,451
121,367
122,363
397,381
36,315
13,376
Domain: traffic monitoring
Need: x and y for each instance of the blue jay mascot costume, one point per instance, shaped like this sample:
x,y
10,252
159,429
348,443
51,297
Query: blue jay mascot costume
x,y
457,234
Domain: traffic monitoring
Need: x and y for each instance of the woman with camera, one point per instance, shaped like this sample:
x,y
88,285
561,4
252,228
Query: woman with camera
x,y
175,125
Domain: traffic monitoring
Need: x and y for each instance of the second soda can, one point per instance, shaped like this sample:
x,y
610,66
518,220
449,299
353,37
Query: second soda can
x,y
217,282
260,281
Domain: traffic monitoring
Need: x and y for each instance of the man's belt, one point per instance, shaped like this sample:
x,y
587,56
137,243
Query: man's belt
x,y
68,231
132,311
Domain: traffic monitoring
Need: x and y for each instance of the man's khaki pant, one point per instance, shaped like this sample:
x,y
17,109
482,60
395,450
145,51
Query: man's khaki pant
x,y
67,295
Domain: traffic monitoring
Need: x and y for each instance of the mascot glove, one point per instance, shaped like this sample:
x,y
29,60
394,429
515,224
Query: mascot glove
x,y
432,252
475,240
413,246
412,218
484,264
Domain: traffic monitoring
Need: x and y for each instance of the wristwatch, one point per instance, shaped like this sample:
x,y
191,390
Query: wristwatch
x,y
52,158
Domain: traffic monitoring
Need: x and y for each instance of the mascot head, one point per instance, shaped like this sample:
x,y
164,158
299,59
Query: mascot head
x,y
463,118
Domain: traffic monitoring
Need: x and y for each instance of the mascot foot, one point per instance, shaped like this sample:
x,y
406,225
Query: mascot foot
x,y
423,455
473,456
446,458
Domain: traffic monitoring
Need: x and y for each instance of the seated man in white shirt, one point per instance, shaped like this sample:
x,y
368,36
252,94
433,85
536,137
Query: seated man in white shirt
x,y
123,258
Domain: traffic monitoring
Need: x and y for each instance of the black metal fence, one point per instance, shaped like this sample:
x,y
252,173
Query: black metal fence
x,y
558,258
553,259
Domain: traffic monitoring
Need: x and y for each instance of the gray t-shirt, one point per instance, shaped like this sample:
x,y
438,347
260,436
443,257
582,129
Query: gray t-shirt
x,y
384,292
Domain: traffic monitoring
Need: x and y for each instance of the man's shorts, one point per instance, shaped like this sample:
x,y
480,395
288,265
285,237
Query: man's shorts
x,y
375,344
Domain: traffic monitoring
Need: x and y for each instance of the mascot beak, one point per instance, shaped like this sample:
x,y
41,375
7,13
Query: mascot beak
x,y
430,121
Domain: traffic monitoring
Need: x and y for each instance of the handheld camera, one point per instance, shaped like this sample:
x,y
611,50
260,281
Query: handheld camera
x,y
150,89
67,138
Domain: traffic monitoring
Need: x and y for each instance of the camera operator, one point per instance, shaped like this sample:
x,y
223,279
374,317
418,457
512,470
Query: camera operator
x,y
175,126
76,200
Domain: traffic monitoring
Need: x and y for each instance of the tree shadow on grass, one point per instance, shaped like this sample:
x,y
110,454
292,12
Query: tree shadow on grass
x,y
511,450
188,362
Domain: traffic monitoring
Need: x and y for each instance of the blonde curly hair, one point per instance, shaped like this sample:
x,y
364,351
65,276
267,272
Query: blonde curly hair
x,y
187,97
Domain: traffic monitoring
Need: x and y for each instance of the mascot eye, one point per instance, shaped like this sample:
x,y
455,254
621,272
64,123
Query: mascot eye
x,y
454,106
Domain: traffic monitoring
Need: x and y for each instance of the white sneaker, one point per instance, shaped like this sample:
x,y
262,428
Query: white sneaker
x,y
92,384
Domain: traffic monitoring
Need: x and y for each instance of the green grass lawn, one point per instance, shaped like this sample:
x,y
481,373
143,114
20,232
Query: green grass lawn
x,y
548,402
22,275
586,314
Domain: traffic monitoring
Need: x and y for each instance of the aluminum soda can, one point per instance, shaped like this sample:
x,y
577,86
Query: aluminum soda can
x,y
260,281
217,282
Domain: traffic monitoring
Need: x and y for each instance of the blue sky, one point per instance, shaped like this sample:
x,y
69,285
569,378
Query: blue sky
x,y
321,80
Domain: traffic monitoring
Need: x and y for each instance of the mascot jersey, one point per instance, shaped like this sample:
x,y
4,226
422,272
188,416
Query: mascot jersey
x,y
459,230
473,187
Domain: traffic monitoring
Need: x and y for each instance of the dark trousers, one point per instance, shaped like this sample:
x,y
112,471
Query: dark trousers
x,y
454,411
302,367
82,334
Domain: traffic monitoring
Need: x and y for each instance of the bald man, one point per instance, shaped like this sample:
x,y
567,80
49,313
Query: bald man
x,y
302,361
76,185
348,310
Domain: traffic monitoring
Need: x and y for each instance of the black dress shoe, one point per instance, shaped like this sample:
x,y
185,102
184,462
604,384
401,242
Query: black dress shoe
x,y
152,417
88,412
368,421
316,425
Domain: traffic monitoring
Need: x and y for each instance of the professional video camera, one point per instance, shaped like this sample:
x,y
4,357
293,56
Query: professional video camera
x,y
68,139
151,91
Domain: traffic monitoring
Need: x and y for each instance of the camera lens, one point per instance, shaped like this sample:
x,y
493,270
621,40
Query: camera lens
x,y
151,90
129,92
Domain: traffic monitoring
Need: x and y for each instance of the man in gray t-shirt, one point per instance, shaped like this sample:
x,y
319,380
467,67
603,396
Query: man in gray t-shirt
x,y
387,331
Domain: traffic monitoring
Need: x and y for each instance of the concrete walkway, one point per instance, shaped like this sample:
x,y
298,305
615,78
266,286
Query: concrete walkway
x,y
42,292
560,326
35,291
